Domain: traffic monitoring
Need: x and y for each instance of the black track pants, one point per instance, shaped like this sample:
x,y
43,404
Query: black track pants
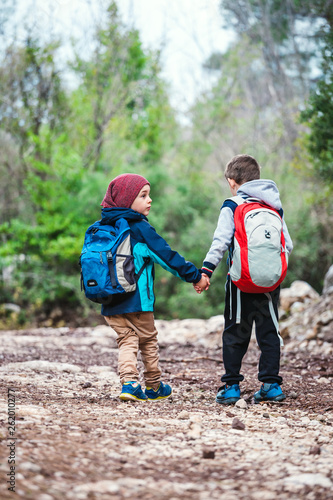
x,y
236,337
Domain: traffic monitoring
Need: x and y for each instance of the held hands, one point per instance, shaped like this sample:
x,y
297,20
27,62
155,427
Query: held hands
x,y
203,284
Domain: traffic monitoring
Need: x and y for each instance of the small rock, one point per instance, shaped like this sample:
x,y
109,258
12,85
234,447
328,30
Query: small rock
x,y
195,431
55,313
311,334
11,307
196,418
325,318
293,395
296,307
104,486
208,453
323,380
323,439
229,414
30,466
265,415
86,385
183,415
309,479
241,403
237,424
315,450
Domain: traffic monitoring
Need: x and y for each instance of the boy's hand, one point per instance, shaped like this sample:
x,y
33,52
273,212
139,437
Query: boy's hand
x,y
203,284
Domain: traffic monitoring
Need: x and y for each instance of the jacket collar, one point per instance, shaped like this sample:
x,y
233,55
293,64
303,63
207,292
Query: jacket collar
x,y
111,215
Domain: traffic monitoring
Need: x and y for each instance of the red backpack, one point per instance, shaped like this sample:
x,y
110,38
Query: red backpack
x,y
259,257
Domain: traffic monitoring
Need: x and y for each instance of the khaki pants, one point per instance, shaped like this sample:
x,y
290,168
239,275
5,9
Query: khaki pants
x,y
136,331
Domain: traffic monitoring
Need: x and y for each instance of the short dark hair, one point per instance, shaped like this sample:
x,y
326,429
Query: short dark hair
x,y
242,168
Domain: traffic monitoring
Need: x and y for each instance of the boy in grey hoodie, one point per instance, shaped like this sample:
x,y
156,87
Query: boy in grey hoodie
x,y
243,176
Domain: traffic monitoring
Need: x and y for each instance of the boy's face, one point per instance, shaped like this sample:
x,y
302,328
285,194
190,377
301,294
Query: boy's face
x,y
142,202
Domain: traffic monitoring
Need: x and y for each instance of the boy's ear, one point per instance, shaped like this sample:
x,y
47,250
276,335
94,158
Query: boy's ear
x,y
232,183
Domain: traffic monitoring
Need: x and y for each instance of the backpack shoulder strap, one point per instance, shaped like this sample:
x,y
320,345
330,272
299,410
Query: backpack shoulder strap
x,y
233,202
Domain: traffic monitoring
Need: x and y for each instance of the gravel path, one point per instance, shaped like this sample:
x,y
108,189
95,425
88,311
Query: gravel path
x,y
74,439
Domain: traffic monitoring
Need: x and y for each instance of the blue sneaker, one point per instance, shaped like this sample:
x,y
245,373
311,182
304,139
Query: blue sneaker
x,y
131,391
163,392
269,392
228,394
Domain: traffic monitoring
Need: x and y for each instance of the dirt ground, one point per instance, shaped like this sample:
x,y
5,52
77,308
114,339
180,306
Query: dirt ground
x,y
74,439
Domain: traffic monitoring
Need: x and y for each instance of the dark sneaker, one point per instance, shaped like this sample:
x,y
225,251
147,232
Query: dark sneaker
x,y
163,392
228,394
131,391
269,392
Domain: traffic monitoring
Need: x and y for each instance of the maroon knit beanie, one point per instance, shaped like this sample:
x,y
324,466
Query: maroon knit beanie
x,y
123,190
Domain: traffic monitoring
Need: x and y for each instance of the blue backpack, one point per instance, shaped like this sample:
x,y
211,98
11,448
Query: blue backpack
x,y
107,263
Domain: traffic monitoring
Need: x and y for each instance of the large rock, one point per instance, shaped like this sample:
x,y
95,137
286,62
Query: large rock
x,y
41,366
310,321
191,331
328,282
300,292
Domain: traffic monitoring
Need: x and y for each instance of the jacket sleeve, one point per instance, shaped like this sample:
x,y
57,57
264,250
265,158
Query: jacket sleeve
x,y
161,253
222,239
287,238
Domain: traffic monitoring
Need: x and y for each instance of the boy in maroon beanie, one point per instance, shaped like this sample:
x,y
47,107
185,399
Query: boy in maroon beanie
x,y
131,314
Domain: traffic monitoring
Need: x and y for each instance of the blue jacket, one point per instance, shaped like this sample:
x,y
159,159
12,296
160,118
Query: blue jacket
x,y
146,242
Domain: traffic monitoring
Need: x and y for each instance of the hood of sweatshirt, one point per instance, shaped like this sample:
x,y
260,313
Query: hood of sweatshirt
x,y
263,189
111,215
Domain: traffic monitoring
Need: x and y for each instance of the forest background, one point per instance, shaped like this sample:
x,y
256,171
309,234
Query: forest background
x,y
61,144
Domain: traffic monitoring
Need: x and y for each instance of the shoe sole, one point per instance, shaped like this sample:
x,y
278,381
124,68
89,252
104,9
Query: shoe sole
x,y
130,397
228,401
277,399
159,398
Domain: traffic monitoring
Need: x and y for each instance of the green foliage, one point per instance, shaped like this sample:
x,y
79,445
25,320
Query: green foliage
x,y
70,145
59,149
319,115
318,141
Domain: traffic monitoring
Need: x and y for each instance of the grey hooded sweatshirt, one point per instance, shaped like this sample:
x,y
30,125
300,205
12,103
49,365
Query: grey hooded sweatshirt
x,y
263,189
